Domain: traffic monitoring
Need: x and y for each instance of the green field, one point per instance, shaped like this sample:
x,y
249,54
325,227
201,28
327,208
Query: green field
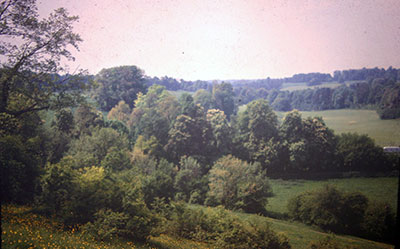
x,y
178,93
384,132
378,188
302,86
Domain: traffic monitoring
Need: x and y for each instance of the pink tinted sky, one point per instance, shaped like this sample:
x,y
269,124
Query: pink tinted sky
x,y
223,39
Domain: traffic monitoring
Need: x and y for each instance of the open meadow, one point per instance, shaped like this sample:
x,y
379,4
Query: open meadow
x,y
384,132
303,86
383,189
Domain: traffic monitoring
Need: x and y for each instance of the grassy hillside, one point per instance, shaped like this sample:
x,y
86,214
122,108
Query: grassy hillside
x,y
384,132
379,189
23,229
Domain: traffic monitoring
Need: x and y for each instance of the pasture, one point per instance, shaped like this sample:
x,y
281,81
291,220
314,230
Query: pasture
x,y
382,189
303,86
384,132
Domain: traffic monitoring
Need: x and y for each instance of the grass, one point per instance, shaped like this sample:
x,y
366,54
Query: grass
x,y
379,188
300,236
178,93
384,132
302,86
21,228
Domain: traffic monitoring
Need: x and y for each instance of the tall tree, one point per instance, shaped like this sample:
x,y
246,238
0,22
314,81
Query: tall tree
x,y
223,98
31,52
119,83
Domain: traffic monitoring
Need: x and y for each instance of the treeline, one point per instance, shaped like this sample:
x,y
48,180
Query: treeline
x,y
365,88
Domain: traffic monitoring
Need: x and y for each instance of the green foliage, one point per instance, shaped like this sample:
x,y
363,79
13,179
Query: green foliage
x,y
380,222
256,131
236,184
107,225
204,98
330,209
158,183
57,186
64,121
223,229
86,118
223,98
189,136
33,51
20,167
90,150
116,160
153,115
120,112
221,132
118,83
190,182
359,153
141,221
390,104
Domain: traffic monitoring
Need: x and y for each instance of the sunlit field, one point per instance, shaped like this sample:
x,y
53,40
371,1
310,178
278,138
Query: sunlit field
x,y
378,188
384,132
302,86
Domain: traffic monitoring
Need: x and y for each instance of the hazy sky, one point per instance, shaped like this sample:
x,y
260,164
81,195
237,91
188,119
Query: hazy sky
x,y
212,39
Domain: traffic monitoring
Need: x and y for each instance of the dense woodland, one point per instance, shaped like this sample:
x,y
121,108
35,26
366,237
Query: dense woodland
x,y
120,154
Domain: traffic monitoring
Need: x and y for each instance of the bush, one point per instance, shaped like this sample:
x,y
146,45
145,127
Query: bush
x,y
238,185
379,222
330,209
108,224
223,229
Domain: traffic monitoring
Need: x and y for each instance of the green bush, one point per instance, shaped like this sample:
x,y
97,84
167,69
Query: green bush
x,y
238,185
107,224
379,222
223,229
330,209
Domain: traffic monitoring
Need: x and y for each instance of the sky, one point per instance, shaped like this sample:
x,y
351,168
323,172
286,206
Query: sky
x,y
234,39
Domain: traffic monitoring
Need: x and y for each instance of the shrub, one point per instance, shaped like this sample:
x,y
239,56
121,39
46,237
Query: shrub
x,y
108,224
379,222
238,185
223,229
330,209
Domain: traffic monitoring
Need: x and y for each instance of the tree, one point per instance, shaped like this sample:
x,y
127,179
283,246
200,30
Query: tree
x,y
189,181
189,136
120,112
31,52
359,153
257,131
223,98
221,131
119,83
236,184
203,98
153,114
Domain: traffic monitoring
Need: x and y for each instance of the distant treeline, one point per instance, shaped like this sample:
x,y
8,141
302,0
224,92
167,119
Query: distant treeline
x,y
362,88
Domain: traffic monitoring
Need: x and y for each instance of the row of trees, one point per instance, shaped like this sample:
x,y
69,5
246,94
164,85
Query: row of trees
x,y
382,94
